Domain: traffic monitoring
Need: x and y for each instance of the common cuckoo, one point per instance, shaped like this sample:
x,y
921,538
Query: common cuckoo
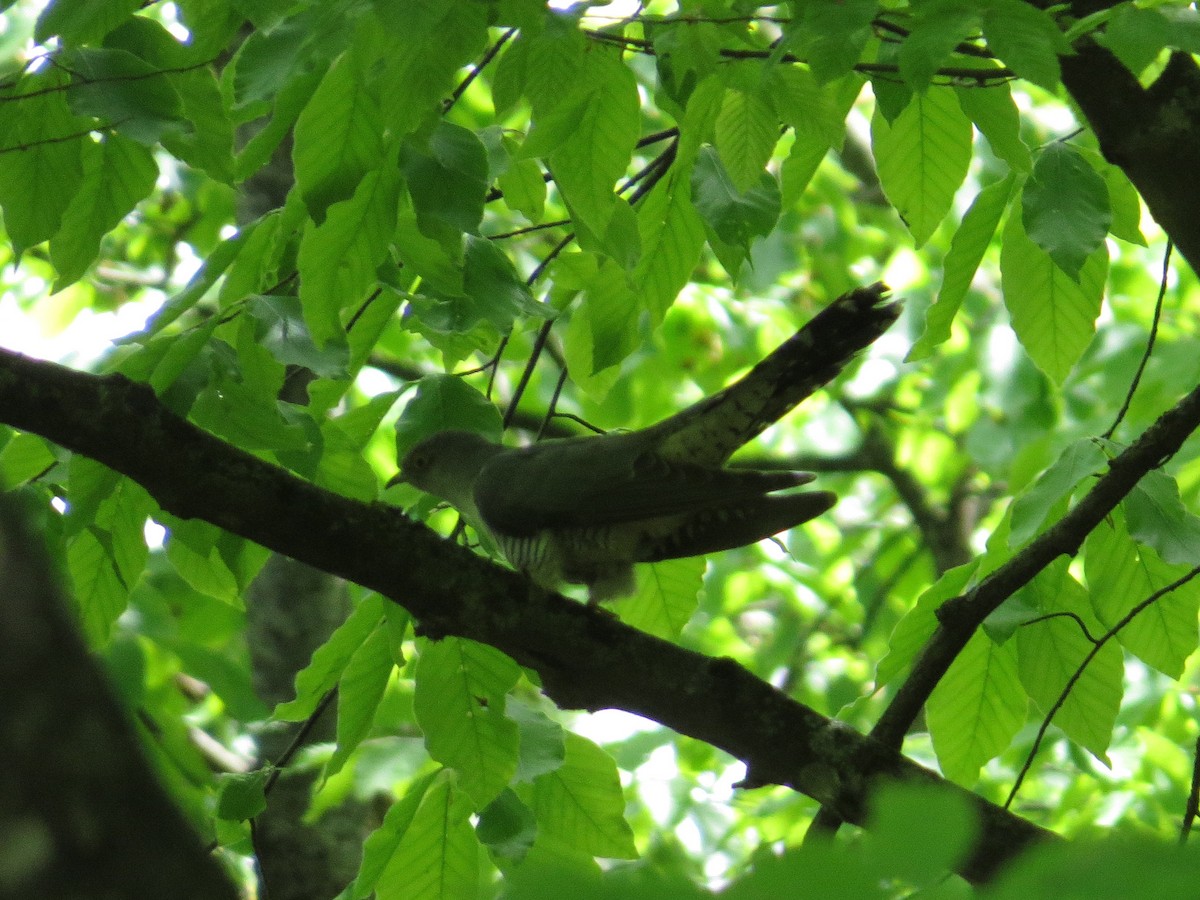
x,y
584,510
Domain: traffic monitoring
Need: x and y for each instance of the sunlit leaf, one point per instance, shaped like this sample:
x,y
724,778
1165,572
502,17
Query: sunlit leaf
x,y
1123,580
976,708
459,704
1053,314
580,805
922,158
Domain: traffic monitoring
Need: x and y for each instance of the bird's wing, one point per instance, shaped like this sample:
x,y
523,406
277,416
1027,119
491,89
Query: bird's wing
x,y
605,481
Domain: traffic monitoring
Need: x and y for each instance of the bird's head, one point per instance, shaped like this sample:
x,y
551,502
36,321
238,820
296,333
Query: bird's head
x,y
446,464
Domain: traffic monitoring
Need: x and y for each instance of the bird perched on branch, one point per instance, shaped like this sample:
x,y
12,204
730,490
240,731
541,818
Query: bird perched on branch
x,y
584,510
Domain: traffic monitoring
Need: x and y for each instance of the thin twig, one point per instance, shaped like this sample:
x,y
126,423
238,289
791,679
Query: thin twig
x,y
1137,377
1078,673
530,364
278,766
1064,615
1193,801
478,68
558,386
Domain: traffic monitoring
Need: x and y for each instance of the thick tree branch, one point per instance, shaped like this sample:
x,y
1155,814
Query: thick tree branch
x,y
586,659
81,811
1152,134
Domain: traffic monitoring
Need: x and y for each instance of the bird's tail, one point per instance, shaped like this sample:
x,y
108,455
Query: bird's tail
x,y
707,433
736,524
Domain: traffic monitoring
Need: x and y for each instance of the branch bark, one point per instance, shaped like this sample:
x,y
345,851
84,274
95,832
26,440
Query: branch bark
x,y
1151,133
82,813
586,659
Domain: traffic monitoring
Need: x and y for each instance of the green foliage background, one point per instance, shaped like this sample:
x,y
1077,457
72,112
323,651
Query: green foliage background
x,y
667,194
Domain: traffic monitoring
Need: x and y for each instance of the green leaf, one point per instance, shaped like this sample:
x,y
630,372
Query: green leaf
x,y
445,401
1156,517
814,869
580,806
23,457
1076,463
123,91
667,595
554,127
193,551
329,661
524,188
831,36
939,28
339,138
89,484
598,148
98,590
338,258
1026,39
967,247
438,264
117,173
800,166
459,705
672,238
1053,314
607,316
40,160
699,120
736,217
1065,208
438,857
124,514
507,827
448,182
543,741
811,109
206,140
209,145
1125,201
381,845
82,21
243,413
428,42
995,114
228,677
1122,575
920,622
241,797
1122,865
360,689
1138,35
976,708
218,261
266,62
922,158
491,280
919,855
1050,653
357,425
290,100
282,332
746,134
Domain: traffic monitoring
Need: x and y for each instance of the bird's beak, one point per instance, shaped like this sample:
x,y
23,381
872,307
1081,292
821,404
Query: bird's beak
x,y
398,478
